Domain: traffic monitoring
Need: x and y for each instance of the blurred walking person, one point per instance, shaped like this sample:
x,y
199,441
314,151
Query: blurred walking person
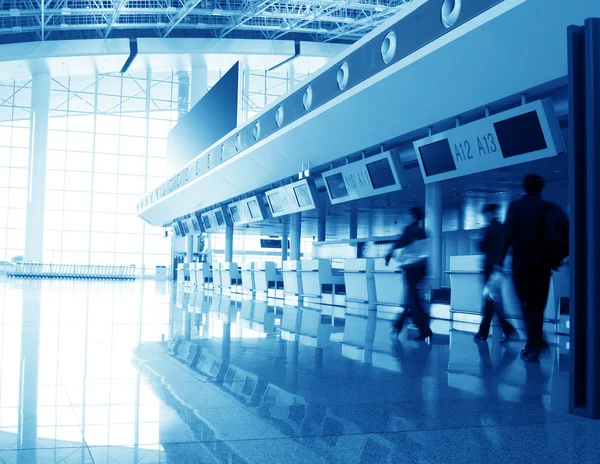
x,y
491,246
538,233
410,253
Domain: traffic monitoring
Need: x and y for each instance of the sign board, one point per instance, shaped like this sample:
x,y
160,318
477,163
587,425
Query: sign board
x,y
367,177
177,229
527,133
293,198
216,219
248,210
272,243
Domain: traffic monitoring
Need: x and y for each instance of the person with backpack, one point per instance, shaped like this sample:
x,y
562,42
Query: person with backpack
x,y
490,245
537,232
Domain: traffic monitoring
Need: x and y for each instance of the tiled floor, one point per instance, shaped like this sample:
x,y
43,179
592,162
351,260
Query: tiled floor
x,y
85,376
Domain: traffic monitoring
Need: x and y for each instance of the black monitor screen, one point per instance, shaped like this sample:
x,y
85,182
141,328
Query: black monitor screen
x,y
381,173
177,230
337,186
303,196
521,134
186,229
195,225
220,218
235,214
437,158
254,209
206,221
275,202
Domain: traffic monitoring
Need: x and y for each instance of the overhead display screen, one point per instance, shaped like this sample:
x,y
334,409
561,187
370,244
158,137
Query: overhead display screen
x,y
186,229
337,186
254,209
235,214
381,173
521,134
177,229
525,133
437,158
195,225
275,202
214,116
303,196
220,218
206,221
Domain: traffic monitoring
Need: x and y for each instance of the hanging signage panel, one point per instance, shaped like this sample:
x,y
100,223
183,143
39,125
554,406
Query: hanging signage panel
x,y
527,133
371,176
248,210
293,198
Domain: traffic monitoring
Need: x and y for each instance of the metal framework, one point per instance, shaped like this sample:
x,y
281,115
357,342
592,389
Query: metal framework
x,y
311,20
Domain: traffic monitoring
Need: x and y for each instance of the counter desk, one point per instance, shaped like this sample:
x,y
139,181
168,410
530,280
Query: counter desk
x,y
268,280
466,299
292,282
321,284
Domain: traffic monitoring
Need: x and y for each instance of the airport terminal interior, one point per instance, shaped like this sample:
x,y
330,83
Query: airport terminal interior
x,y
258,231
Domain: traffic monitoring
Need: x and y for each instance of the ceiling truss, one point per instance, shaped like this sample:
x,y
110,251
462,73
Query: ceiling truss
x,y
311,20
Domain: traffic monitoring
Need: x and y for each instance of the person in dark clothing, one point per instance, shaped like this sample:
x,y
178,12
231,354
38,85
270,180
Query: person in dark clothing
x,y
414,275
490,246
524,232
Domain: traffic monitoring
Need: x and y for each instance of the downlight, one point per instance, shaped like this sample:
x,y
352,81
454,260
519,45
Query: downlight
x,y
388,47
450,12
279,116
342,76
238,142
256,130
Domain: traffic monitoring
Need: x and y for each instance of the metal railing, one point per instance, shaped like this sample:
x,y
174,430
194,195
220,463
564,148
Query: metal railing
x,y
71,271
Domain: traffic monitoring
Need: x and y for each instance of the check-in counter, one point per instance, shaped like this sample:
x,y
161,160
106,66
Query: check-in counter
x,y
247,274
229,275
321,284
292,282
466,298
360,285
200,275
389,289
268,279
183,273
226,309
246,311
193,278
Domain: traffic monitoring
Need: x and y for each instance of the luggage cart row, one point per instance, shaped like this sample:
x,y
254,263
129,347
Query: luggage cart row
x,y
72,271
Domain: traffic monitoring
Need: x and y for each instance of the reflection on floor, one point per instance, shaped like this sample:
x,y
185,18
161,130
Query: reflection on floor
x,y
116,372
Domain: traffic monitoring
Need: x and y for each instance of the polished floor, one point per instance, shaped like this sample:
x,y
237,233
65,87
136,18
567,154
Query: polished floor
x,y
88,375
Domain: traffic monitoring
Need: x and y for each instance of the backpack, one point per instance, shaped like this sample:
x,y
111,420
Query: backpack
x,y
556,236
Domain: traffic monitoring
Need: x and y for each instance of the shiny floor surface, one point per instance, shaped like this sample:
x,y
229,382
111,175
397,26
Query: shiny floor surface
x,y
85,377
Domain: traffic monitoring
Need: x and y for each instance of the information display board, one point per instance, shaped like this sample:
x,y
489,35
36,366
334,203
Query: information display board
x,y
367,177
177,229
248,210
217,218
293,198
527,133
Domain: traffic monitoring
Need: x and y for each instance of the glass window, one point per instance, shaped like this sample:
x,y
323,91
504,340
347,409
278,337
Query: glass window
x,y
18,177
77,201
106,163
104,222
78,161
106,183
78,181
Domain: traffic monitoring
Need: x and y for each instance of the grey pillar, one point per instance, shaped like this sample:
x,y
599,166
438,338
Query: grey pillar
x,y
189,248
433,225
295,235
229,244
322,225
284,248
584,202
353,223
183,94
40,112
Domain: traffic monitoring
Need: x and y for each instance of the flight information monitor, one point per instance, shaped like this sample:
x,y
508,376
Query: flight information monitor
x,y
206,221
235,214
254,209
375,175
275,202
220,218
526,133
293,198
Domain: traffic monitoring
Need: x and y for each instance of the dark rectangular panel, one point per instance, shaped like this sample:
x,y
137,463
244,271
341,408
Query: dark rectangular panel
x,y
206,221
235,214
337,186
381,173
254,209
211,118
303,196
437,158
220,218
521,134
275,202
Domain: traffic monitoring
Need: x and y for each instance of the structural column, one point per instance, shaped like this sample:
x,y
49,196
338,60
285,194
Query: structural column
x,y
584,205
229,244
322,225
40,112
433,226
353,223
295,235
284,248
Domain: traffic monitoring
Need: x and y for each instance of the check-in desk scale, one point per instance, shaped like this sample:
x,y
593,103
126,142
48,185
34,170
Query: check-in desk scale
x,y
183,273
292,282
466,301
227,277
268,281
201,276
